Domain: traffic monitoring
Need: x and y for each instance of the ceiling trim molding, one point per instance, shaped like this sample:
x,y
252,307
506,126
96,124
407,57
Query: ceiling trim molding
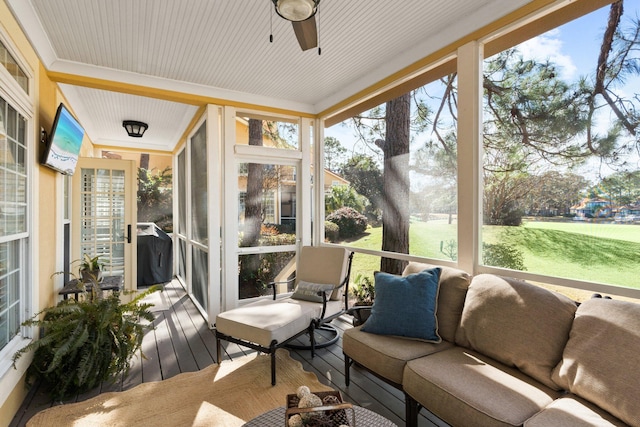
x,y
170,90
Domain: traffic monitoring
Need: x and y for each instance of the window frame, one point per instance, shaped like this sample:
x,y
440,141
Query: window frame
x,y
24,104
469,59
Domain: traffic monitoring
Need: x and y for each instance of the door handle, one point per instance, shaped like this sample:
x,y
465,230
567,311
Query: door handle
x,y
128,236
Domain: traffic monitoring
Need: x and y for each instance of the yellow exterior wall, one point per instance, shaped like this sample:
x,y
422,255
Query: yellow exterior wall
x,y
47,194
45,95
50,190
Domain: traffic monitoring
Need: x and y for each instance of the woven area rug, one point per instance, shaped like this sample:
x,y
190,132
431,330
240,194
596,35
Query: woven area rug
x,y
226,395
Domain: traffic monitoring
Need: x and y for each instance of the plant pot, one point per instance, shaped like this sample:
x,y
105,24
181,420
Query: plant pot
x,y
91,275
360,314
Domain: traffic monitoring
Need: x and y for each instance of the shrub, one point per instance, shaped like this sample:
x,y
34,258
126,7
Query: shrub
x,y
350,222
501,255
277,239
331,231
255,270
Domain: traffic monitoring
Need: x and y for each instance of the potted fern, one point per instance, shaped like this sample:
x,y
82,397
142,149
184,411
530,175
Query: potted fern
x,y
87,341
364,292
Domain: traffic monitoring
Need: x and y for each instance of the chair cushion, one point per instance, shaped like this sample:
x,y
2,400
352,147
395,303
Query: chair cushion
x,y
323,264
264,321
571,411
604,339
405,306
453,290
516,323
465,388
386,355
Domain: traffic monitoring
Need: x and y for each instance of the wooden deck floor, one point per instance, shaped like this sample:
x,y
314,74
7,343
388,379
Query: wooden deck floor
x,y
182,342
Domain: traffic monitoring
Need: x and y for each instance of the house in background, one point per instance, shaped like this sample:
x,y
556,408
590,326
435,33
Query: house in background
x,y
628,213
592,208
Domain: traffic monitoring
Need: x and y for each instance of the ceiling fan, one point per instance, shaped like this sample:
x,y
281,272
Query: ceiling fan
x,y
302,14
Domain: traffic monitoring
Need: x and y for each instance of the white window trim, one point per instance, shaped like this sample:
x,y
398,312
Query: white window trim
x,y
24,103
13,92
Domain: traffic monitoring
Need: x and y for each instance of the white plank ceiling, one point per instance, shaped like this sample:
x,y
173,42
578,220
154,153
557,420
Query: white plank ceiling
x,y
221,49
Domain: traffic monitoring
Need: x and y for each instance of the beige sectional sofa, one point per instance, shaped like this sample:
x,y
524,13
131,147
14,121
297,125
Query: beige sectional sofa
x,y
512,354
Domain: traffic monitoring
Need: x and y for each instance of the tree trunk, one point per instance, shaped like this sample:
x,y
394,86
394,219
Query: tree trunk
x,y
253,200
395,216
144,160
252,211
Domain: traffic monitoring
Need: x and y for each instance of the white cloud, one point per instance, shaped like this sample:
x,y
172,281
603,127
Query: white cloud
x,y
549,47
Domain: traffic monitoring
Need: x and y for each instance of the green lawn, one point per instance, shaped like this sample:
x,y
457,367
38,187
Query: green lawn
x,y
607,253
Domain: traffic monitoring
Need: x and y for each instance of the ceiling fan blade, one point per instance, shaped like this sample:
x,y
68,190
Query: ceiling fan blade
x,y
306,33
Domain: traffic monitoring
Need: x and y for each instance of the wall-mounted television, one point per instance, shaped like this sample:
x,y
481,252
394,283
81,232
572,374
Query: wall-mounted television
x,y
65,140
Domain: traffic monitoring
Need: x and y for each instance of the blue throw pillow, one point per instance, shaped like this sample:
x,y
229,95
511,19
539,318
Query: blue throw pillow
x,y
406,306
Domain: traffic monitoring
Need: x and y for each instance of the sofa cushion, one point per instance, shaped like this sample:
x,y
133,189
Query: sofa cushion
x,y
405,306
604,339
516,323
386,355
571,411
465,388
451,295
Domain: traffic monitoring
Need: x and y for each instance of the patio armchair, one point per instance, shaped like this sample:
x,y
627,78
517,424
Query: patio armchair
x,y
320,295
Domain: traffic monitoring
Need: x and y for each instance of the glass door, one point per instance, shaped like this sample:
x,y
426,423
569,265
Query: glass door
x,y
267,193
267,238
104,212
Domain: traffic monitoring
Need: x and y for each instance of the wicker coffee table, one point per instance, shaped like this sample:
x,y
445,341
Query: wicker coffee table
x,y
364,418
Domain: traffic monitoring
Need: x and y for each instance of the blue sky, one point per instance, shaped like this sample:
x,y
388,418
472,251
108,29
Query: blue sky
x,y
576,45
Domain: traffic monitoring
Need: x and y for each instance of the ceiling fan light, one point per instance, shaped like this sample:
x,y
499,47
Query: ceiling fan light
x,y
296,10
134,128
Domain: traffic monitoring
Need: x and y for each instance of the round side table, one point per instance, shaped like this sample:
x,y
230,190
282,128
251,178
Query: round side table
x,y
364,417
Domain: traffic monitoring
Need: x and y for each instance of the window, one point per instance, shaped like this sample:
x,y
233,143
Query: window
x,y
268,153
272,185
199,217
561,167
559,180
182,214
276,133
11,65
412,191
199,199
13,221
192,196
